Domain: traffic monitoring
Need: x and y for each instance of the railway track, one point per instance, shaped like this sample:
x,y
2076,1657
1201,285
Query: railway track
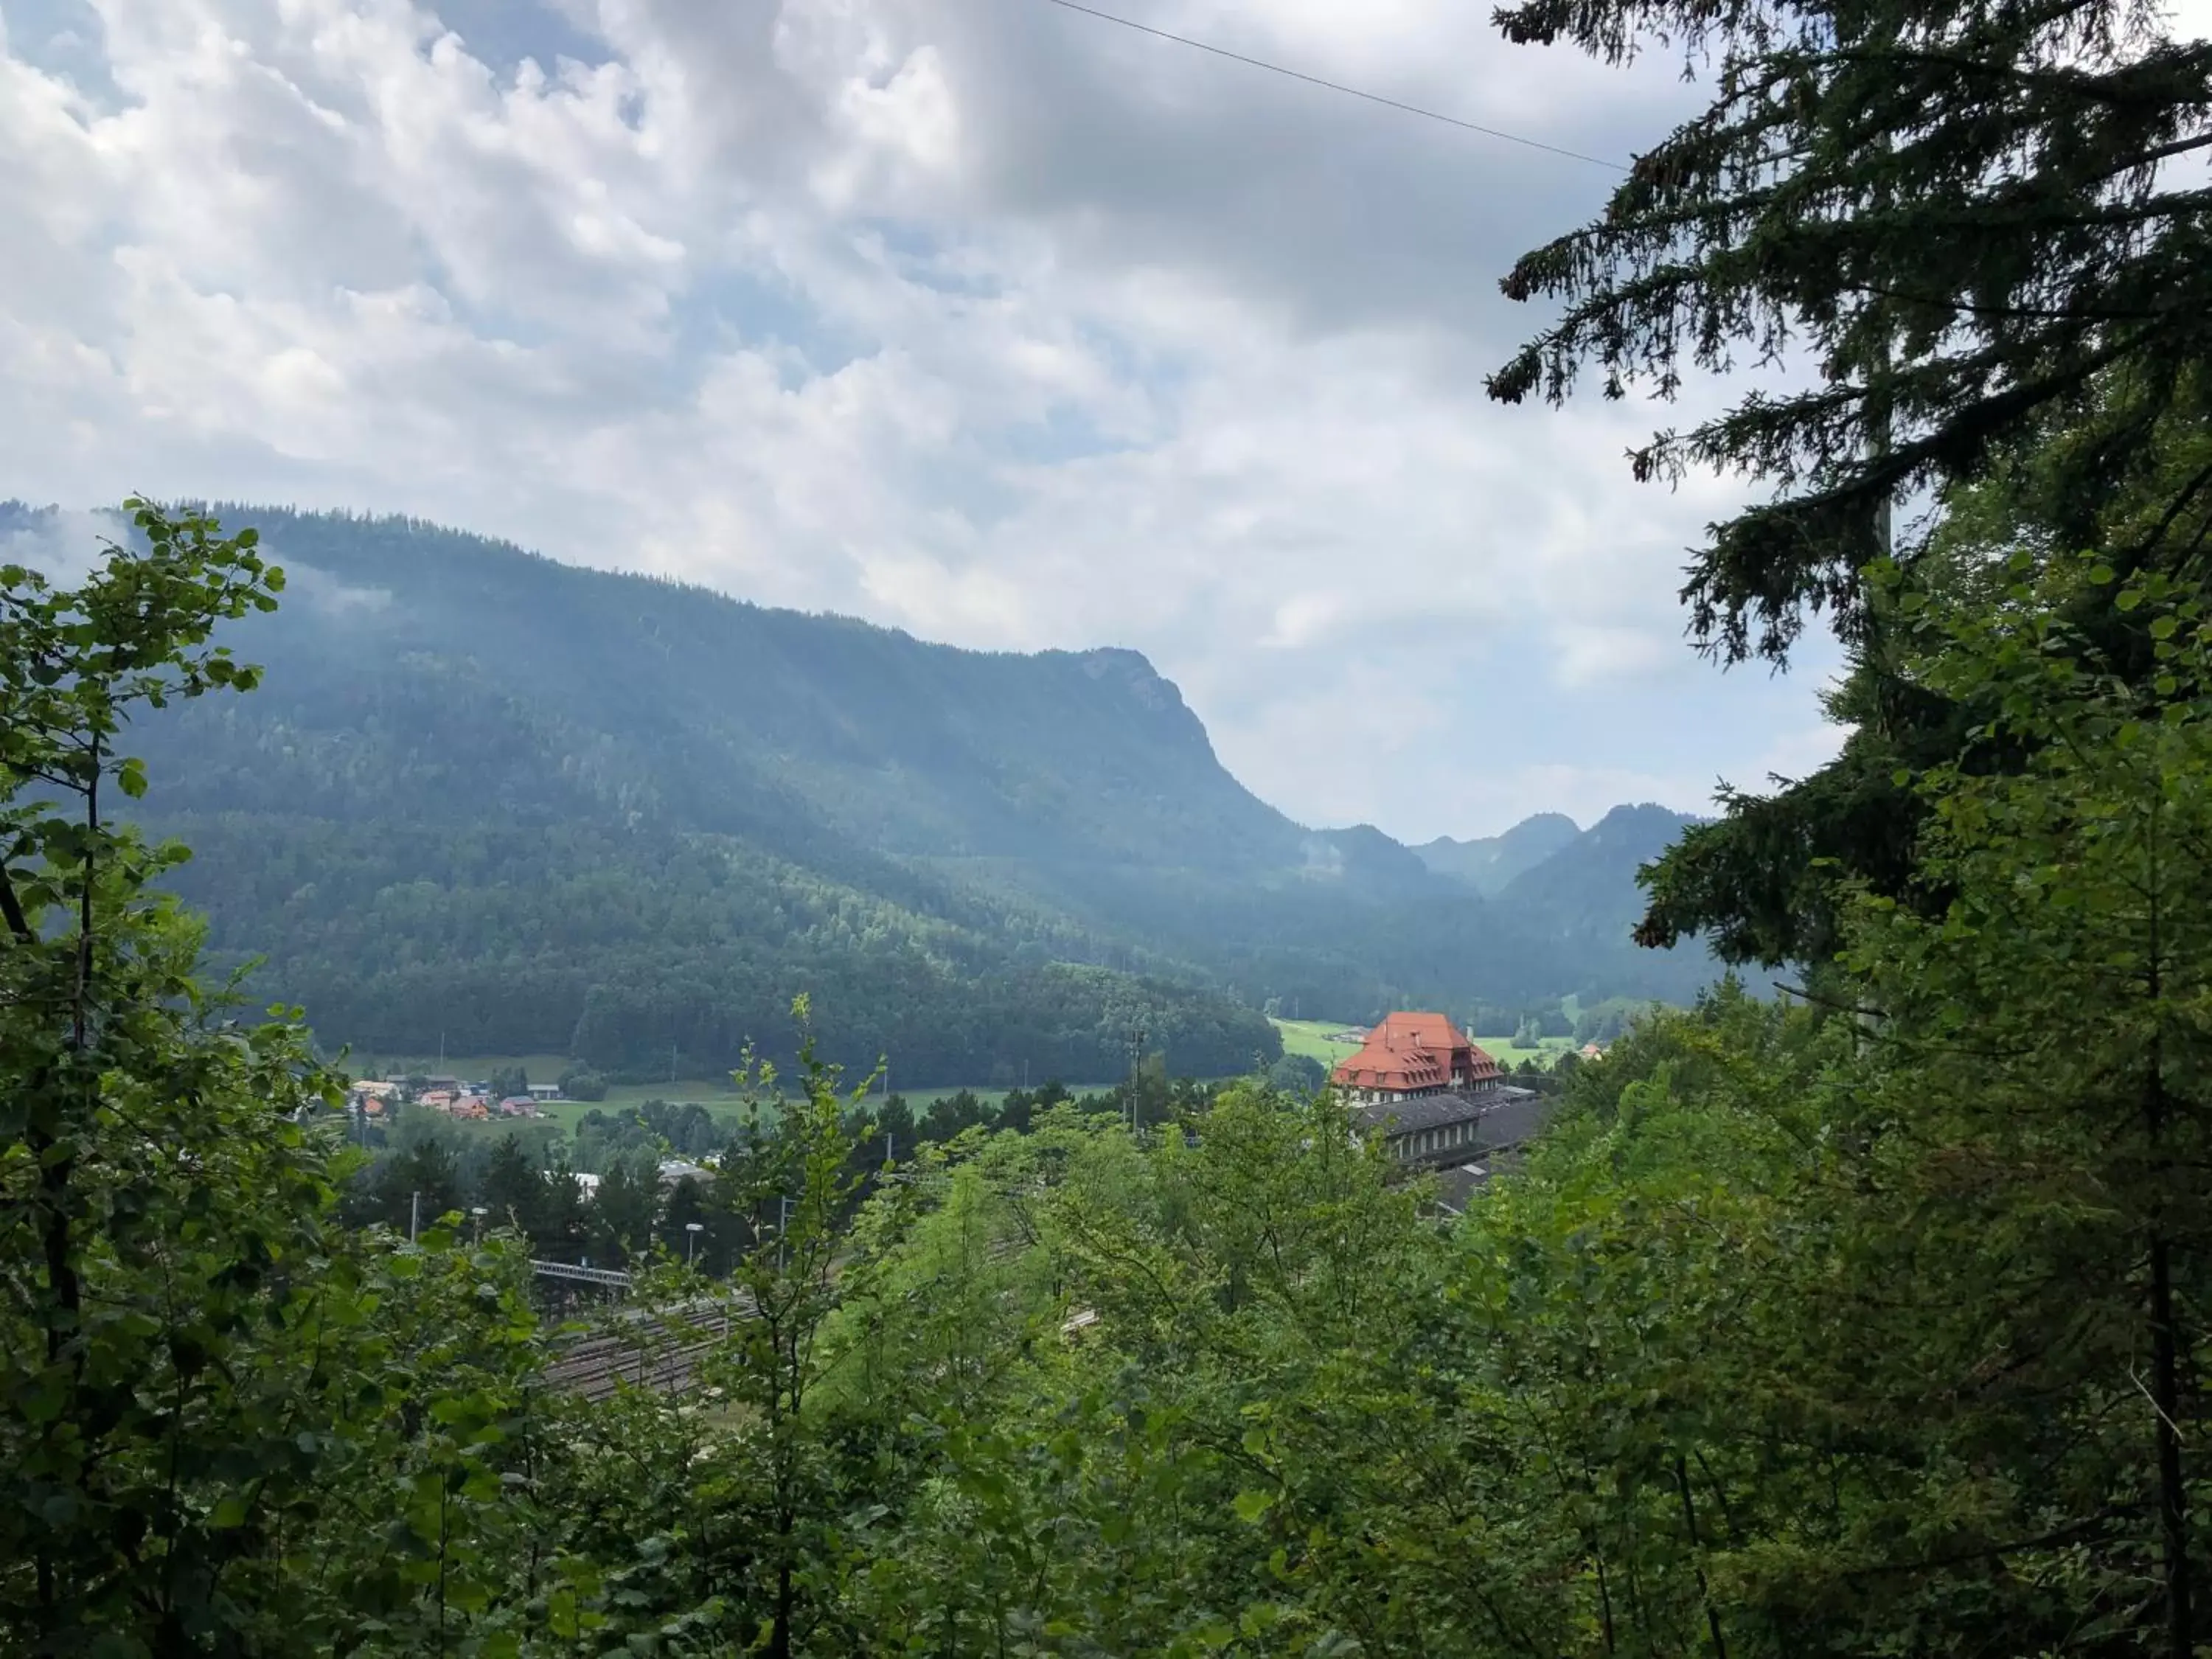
x,y
661,1352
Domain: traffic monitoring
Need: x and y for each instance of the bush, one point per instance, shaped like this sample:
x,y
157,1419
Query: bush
x,y
582,1083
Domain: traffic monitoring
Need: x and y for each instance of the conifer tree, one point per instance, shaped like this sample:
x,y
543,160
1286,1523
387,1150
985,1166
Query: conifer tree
x,y
1976,235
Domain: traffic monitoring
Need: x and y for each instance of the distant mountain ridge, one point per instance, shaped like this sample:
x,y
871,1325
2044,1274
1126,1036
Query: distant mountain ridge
x,y
1576,891
522,807
1488,865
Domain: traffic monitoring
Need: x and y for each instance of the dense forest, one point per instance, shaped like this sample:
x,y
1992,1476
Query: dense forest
x,y
1864,1318
483,803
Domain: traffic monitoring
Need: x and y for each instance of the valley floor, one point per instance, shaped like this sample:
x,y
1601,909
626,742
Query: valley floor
x,y
1320,1039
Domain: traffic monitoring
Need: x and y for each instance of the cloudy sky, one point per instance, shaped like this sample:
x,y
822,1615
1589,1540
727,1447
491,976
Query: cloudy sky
x,y
979,318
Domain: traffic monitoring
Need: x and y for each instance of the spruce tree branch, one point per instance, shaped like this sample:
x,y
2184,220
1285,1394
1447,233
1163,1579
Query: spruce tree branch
x,y
2152,157
2026,313
2093,89
2172,1427
2178,507
1804,995
2089,1528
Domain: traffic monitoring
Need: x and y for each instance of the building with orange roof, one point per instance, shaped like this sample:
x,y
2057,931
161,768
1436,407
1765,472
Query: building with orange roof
x,y
1437,1102
1412,1053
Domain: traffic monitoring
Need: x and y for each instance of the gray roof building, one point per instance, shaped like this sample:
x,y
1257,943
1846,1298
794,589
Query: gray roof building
x,y
1462,1137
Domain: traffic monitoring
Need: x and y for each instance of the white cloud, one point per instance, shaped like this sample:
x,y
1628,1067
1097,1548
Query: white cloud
x,y
993,323
1600,656
330,596
1793,754
65,547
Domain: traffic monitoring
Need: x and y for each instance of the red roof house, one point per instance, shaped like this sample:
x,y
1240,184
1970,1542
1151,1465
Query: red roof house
x,y
1415,1054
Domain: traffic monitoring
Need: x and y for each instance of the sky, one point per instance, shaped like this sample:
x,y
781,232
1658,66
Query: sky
x,y
981,319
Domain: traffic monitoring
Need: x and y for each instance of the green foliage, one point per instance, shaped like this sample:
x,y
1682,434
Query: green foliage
x,y
1806,1331
202,1372
1954,214
143,1138
1981,230
1866,1320
582,1083
2071,958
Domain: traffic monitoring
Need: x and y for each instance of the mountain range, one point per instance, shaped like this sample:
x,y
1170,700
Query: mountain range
x,y
490,803
1490,865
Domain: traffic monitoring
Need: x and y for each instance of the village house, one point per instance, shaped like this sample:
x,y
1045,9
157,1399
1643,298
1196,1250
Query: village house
x,y
1409,1055
1438,1099
369,1096
676,1170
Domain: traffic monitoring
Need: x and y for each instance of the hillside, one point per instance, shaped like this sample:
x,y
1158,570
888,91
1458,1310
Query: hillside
x,y
1576,894
490,802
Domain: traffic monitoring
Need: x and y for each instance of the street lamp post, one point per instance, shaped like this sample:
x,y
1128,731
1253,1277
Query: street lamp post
x,y
479,1212
691,1232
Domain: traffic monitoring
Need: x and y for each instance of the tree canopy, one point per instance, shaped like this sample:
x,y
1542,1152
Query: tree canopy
x,y
1971,240
1970,226
1866,1320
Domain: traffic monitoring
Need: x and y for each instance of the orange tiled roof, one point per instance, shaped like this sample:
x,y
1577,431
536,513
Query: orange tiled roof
x,y
1408,1051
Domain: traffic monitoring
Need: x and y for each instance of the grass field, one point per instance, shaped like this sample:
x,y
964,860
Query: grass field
x,y
531,1132
543,1068
713,1093
726,1108
1310,1037
1506,1052
922,1099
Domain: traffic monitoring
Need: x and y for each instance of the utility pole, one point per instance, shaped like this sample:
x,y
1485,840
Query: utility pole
x,y
414,1215
1136,1058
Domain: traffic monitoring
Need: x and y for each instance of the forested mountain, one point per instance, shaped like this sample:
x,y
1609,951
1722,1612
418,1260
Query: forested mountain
x,y
1578,892
1488,864
490,803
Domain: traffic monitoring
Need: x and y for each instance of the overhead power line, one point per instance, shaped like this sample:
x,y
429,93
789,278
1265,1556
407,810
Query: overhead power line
x,y
1336,86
